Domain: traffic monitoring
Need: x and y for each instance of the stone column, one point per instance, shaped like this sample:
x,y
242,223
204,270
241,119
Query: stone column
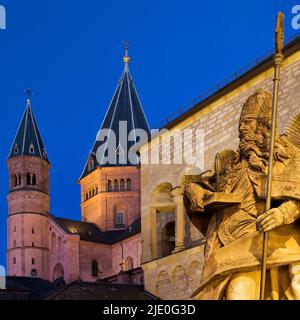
x,y
153,232
180,220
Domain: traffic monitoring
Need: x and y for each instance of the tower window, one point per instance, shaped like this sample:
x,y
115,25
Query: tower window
x,y
90,163
128,184
109,185
19,178
122,185
16,180
32,244
32,230
31,149
14,260
33,180
96,190
28,179
16,149
32,261
120,218
116,185
94,268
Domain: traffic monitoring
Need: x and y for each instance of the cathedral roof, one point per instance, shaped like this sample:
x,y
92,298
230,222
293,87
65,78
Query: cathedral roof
x,y
28,140
124,106
90,232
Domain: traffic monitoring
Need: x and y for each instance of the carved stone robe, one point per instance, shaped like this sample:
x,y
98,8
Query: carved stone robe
x,y
233,243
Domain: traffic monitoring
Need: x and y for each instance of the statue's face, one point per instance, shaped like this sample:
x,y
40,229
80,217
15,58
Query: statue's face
x,y
247,127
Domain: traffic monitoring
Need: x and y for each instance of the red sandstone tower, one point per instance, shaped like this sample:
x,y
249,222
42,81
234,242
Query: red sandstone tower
x,y
110,192
28,202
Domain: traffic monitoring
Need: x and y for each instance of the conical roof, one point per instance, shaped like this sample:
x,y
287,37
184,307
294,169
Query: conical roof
x,y
28,140
124,115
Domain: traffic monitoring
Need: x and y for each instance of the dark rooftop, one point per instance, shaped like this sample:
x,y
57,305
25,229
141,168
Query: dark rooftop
x,y
102,291
28,288
91,232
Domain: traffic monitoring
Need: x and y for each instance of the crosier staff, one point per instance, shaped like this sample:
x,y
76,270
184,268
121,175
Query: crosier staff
x,y
279,42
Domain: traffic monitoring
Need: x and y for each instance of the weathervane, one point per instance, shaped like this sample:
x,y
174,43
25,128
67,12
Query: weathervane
x,y
126,58
28,93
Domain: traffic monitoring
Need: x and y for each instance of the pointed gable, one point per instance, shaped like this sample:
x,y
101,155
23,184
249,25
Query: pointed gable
x,y
28,140
125,106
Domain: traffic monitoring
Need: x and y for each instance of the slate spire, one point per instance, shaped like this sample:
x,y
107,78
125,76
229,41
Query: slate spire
x,y
28,140
125,106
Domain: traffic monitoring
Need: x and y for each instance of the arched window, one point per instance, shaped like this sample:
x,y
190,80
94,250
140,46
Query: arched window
x,y
31,149
33,180
93,192
91,164
120,218
16,149
32,261
28,179
86,196
53,241
122,185
116,185
58,271
129,263
90,194
168,239
59,243
94,268
96,190
109,185
14,260
128,184
16,180
19,178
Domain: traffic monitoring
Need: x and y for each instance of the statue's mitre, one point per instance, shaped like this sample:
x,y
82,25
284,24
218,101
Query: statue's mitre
x,y
258,106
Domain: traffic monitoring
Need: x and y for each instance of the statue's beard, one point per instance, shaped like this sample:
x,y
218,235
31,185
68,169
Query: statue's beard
x,y
254,147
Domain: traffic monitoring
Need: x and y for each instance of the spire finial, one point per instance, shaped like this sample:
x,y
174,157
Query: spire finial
x,y
126,58
28,93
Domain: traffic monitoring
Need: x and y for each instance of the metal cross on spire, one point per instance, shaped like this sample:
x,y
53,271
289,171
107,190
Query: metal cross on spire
x,y
126,58
28,93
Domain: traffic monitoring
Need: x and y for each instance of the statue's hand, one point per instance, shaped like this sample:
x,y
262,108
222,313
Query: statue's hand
x,y
195,193
270,220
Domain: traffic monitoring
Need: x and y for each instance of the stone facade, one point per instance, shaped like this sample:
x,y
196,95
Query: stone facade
x,y
218,117
39,245
100,204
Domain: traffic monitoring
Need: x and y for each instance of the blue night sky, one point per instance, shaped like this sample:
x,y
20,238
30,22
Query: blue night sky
x,y
70,53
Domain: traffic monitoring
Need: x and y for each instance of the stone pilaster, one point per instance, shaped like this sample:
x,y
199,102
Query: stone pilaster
x,y
180,219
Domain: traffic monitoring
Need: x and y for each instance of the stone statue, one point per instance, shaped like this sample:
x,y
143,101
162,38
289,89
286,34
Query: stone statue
x,y
227,204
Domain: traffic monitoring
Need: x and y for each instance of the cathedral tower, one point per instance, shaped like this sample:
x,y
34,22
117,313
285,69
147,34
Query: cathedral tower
x,y
28,202
110,191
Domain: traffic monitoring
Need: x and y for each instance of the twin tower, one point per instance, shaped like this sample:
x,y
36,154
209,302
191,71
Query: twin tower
x,y
42,245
